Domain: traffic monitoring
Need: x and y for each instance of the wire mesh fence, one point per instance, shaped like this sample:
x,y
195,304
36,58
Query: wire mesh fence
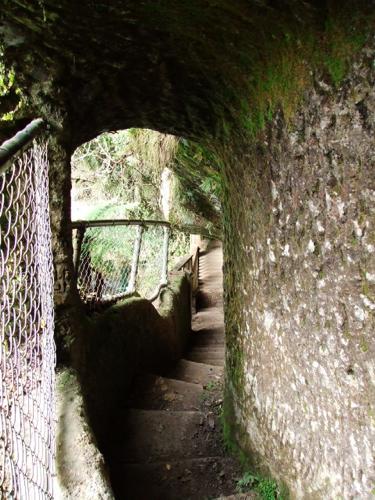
x,y
113,261
151,261
105,262
27,352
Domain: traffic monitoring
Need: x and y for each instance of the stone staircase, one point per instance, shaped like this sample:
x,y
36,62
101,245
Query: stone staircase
x,y
168,445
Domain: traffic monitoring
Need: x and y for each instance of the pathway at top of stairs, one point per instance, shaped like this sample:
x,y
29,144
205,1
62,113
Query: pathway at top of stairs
x,y
168,444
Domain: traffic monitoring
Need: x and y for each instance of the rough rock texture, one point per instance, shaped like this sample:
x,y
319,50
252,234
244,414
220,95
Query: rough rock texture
x,y
81,472
300,292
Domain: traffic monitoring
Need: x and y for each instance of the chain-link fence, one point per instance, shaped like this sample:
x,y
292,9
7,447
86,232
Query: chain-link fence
x,y
117,258
27,353
105,262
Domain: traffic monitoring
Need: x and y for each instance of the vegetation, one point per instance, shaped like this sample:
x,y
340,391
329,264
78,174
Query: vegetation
x,y
267,488
11,99
291,58
114,180
199,186
119,175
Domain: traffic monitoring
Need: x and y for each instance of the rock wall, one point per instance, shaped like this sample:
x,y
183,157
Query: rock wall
x,y
80,467
300,291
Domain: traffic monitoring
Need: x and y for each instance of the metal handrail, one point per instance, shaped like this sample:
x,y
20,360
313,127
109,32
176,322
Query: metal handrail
x,y
77,224
81,225
19,142
183,263
188,263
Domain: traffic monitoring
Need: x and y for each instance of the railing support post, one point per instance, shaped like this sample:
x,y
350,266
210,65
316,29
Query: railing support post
x,y
195,271
135,261
164,269
77,253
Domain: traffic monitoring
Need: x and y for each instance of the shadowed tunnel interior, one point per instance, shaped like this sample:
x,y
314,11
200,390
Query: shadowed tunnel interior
x,y
280,94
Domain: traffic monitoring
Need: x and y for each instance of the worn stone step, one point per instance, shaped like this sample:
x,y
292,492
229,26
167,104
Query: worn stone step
x,y
197,373
212,316
208,298
207,348
151,392
207,352
174,480
207,335
204,327
153,435
214,342
212,332
214,326
212,359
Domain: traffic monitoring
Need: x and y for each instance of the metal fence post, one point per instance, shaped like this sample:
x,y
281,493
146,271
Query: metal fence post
x,y
135,261
79,240
164,270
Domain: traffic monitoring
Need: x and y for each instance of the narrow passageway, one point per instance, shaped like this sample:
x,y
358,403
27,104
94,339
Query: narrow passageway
x,y
168,444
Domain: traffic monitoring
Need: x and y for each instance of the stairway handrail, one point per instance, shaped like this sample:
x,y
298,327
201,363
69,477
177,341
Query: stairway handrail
x,y
19,142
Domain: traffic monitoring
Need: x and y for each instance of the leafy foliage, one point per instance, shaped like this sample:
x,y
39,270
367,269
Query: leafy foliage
x,y
112,171
124,170
267,488
119,175
199,186
10,95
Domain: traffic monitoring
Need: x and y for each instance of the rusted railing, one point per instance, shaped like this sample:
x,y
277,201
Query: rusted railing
x,y
27,351
111,263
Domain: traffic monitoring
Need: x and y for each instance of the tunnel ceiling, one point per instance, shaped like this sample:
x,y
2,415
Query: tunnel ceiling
x,y
176,66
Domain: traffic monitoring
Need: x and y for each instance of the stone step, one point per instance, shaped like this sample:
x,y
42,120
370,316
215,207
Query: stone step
x,y
206,328
151,392
204,321
207,349
207,335
213,359
144,436
207,342
217,309
197,373
191,479
208,298
210,358
215,331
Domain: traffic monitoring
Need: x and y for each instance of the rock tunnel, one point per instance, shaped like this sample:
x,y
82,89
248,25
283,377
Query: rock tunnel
x,y
281,93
